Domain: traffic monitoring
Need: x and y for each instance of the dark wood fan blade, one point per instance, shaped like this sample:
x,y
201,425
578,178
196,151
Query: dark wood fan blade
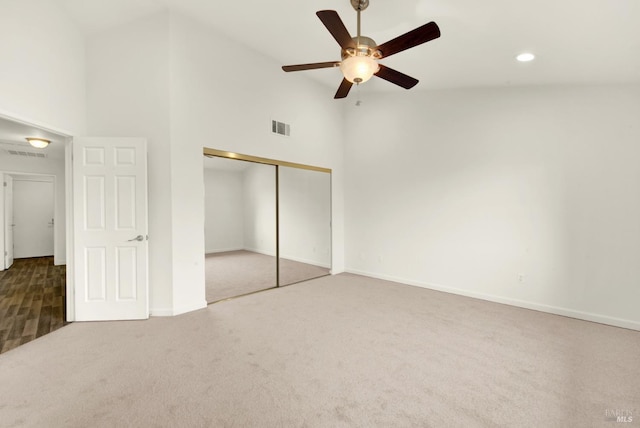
x,y
393,76
344,89
313,66
334,24
408,40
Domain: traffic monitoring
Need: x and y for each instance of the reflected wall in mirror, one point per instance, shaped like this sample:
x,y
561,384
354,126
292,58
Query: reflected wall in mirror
x,y
240,227
305,224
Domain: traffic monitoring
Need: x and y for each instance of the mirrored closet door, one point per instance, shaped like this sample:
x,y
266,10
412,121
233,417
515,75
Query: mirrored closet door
x,y
304,204
267,223
240,221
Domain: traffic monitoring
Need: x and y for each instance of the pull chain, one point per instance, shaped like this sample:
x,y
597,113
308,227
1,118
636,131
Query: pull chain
x,y
358,100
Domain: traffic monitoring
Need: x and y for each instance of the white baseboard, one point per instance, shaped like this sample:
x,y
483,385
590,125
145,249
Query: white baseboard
x,y
254,250
283,256
223,250
586,316
164,312
161,312
309,262
190,308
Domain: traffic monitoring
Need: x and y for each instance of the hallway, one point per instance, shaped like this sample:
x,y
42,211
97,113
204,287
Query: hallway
x,y
32,301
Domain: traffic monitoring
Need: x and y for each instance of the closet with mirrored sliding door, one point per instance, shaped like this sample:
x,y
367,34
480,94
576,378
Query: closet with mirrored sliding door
x,y
267,223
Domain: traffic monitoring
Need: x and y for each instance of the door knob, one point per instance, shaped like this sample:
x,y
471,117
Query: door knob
x,y
137,238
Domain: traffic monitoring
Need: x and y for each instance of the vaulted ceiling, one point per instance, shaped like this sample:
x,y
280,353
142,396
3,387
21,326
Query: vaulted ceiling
x,y
576,41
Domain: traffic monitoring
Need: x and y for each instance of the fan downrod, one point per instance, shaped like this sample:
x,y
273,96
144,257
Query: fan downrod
x,y
360,5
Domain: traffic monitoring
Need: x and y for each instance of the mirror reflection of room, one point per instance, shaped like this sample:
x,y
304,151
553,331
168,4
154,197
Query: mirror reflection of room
x,y
305,224
240,227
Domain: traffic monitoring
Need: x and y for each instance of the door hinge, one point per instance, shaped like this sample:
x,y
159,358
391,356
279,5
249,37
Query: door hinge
x,y
5,184
6,254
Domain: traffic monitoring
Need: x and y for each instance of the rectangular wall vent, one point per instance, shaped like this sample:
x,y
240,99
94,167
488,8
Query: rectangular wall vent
x,y
280,128
25,153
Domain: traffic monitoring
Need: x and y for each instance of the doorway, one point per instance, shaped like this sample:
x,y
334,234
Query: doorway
x,y
33,215
32,234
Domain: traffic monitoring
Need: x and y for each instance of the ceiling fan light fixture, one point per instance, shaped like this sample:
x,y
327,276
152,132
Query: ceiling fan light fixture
x,y
359,69
38,143
360,54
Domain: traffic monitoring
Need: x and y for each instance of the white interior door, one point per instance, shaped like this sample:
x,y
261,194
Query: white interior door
x,y
33,217
110,229
8,221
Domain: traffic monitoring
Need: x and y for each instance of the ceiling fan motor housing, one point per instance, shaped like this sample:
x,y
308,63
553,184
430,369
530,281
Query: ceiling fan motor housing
x,y
360,4
362,46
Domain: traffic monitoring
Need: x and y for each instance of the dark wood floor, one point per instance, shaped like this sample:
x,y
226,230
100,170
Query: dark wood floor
x,y
32,301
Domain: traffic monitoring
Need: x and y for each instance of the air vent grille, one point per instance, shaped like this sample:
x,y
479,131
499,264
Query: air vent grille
x,y
25,153
280,128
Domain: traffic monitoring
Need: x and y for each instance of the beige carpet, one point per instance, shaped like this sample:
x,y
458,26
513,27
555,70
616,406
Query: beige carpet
x,y
341,351
234,273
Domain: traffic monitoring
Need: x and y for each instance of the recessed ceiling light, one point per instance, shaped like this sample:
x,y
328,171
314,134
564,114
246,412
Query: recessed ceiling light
x,y
526,57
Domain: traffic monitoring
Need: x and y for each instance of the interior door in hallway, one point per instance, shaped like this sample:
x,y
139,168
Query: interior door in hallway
x,y
110,229
33,217
8,221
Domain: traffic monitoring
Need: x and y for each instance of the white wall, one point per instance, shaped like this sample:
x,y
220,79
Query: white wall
x,y
460,190
232,103
162,78
42,65
128,96
305,216
224,210
259,201
466,190
9,164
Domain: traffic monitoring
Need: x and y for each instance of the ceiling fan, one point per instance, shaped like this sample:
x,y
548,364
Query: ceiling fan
x,y
360,54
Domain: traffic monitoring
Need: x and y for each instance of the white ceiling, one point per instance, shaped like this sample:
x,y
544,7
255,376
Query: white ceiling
x,y
576,41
